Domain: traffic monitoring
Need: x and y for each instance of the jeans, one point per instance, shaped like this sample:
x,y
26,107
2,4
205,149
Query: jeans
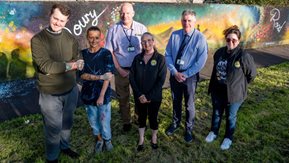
x,y
186,89
57,113
219,105
99,119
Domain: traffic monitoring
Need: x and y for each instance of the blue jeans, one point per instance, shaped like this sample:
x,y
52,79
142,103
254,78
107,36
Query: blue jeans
x,y
219,105
99,119
57,113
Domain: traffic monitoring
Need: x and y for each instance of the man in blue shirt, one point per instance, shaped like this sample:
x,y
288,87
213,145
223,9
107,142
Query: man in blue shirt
x,y
123,40
186,54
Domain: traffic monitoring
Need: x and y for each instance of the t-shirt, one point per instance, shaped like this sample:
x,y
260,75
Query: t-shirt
x,y
97,63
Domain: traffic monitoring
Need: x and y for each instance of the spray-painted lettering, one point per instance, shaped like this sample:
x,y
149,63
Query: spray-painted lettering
x,y
275,16
82,23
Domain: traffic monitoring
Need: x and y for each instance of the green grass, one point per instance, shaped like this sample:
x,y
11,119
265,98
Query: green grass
x,y
262,133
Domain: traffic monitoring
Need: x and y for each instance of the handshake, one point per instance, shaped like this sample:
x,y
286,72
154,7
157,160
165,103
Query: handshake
x,y
77,65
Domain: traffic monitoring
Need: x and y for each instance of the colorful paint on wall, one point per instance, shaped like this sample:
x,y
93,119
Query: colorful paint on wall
x,y
19,21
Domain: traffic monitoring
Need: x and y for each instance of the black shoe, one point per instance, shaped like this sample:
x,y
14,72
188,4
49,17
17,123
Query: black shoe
x,y
188,137
52,161
126,127
171,129
154,146
140,148
70,153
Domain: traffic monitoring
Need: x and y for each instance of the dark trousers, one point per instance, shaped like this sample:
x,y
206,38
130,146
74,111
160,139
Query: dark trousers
x,y
123,92
220,104
149,110
57,112
186,89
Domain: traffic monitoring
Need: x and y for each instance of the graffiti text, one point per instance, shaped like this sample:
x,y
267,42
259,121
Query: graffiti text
x,y
275,16
77,28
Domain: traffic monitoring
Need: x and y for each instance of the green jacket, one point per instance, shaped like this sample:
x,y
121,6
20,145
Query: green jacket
x,y
49,54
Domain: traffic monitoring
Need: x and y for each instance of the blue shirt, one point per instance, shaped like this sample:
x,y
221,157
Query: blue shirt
x,y
195,53
119,38
97,63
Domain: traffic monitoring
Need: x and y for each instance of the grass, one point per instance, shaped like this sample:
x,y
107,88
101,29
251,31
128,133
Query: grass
x,y
261,135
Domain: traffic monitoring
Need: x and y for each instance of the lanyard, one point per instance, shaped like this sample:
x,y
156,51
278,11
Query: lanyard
x,y
128,38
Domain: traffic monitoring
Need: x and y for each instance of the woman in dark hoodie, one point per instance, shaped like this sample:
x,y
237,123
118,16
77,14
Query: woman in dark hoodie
x,y
233,69
147,76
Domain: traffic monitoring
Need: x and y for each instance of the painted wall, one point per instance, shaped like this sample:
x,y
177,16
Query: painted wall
x,y
19,21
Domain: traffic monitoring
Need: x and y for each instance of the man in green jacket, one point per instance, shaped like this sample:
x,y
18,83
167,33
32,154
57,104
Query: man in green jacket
x,y
55,57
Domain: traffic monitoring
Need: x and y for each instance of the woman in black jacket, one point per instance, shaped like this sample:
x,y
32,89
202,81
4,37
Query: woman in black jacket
x,y
233,69
147,76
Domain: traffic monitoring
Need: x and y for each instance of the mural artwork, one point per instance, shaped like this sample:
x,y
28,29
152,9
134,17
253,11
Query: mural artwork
x,y
19,21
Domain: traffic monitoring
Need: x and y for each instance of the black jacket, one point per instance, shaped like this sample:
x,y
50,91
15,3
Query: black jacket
x,y
149,78
241,70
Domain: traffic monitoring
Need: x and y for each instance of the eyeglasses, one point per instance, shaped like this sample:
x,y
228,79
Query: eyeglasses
x,y
147,41
231,40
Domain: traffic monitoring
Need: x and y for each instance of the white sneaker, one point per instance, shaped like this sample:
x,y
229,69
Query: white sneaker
x,y
226,144
211,137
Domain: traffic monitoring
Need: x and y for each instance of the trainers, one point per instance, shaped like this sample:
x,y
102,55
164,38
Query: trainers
x,y
171,129
226,144
70,153
108,145
211,137
188,137
99,146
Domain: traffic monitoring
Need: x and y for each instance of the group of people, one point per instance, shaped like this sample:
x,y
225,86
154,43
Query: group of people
x,y
131,56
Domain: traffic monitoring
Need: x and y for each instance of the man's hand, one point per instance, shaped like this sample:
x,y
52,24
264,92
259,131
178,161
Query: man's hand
x,y
143,99
106,76
71,66
180,77
124,73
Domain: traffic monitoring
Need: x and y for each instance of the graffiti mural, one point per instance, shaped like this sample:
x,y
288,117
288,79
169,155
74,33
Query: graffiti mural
x,y
19,21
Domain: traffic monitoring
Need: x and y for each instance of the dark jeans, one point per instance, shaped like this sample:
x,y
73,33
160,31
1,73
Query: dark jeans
x,y
149,110
57,112
220,105
186,89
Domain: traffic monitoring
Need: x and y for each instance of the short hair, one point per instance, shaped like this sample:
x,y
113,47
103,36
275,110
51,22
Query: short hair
x,y
233,29
189,12
92,28
148,33
126,4
65,10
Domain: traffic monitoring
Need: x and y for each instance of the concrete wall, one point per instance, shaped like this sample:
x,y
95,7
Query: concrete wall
x,y
19,21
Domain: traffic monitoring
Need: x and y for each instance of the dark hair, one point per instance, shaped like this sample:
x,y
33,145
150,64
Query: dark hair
x,y
233,29
65,10
92,28
189,12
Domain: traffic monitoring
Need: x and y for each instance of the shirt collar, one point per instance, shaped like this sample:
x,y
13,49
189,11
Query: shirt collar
x,y
49,29
132,25
190,33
